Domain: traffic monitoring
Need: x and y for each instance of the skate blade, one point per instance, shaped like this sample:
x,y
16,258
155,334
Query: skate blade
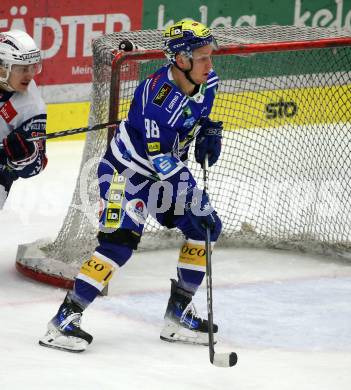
x,y
56,340
185,341
173,333
60,348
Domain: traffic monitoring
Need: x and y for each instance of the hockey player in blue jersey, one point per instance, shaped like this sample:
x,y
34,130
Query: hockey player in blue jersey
x,y
143,172
22,110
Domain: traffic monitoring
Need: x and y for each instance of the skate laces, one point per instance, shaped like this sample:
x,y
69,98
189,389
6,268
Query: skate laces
x,y
73,319
189,315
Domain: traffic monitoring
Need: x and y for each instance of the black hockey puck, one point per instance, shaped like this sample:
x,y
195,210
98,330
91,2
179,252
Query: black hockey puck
x,y
126,45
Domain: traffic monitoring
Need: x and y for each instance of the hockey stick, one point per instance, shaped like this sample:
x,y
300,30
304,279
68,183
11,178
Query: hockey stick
x,y
217,359
64,133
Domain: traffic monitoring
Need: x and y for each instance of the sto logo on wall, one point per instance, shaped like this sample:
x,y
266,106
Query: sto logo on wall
x,y
64,31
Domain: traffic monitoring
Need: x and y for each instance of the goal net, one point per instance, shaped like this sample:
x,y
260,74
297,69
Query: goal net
x,y
283,179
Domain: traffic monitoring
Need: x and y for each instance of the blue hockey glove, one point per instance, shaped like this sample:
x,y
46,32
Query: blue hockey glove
x,y
16,147
202,215
209,141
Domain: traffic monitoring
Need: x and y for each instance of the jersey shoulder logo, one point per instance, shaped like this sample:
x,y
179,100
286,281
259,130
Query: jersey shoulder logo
x,y
8,112
162,94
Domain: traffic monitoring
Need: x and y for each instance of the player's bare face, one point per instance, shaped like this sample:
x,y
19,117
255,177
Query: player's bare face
x,y
202,64
22,75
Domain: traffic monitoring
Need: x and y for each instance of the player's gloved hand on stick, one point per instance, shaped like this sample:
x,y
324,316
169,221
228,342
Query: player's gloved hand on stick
x,y
201,214
16,147
209,141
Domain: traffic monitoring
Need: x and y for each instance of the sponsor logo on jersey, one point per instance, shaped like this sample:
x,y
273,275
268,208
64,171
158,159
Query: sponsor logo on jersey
x,y
41,142
136,209
173,102
154,81
153,147
7,112
116,195
189,122
165,164
162,94
118,179
114,204
187,112
113,215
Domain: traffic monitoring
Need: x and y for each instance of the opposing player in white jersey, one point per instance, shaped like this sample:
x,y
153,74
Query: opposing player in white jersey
x,y
22,110
144,167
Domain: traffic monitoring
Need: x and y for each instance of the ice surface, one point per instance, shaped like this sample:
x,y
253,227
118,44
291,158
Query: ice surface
x,y
288,316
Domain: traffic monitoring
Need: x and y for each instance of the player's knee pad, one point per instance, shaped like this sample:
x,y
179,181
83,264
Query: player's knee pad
x,y
97,271
118,245
126,237
118,253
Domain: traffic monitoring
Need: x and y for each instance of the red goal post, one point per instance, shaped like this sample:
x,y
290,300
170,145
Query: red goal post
x,y
283,179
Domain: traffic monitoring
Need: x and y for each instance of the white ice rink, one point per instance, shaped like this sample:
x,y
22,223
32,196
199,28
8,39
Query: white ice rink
x,y
288,316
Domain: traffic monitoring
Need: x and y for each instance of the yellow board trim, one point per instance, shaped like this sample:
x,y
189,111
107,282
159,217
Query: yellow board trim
x,y
65,116
275,108
242,110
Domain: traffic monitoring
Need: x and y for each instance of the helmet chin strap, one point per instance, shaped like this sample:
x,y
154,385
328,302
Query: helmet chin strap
x,y
187,72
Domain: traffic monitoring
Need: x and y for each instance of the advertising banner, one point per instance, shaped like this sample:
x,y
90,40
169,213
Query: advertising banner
x,y
64,31
322,13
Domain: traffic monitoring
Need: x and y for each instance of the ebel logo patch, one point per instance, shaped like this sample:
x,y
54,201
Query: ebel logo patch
x,y
7,112
162,94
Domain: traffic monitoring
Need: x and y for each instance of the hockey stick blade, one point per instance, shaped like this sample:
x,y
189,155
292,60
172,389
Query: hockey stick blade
x,y
225,359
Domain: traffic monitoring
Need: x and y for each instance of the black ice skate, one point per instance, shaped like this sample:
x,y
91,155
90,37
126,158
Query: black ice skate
x,y
64,330
181,321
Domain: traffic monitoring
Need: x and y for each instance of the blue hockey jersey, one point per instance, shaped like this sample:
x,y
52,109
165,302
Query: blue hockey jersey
x,y
162,122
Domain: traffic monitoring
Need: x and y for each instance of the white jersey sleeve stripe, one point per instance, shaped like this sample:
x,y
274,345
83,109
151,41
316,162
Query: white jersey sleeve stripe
x,y
180,106
212,79
179,113
212,85
146,94
129,164
128,143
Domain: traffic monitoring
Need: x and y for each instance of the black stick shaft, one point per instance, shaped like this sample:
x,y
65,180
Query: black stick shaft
x,y
209,295
208,273
79,130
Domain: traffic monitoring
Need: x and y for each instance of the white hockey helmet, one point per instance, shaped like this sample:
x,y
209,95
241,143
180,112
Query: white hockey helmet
x,y
17,48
